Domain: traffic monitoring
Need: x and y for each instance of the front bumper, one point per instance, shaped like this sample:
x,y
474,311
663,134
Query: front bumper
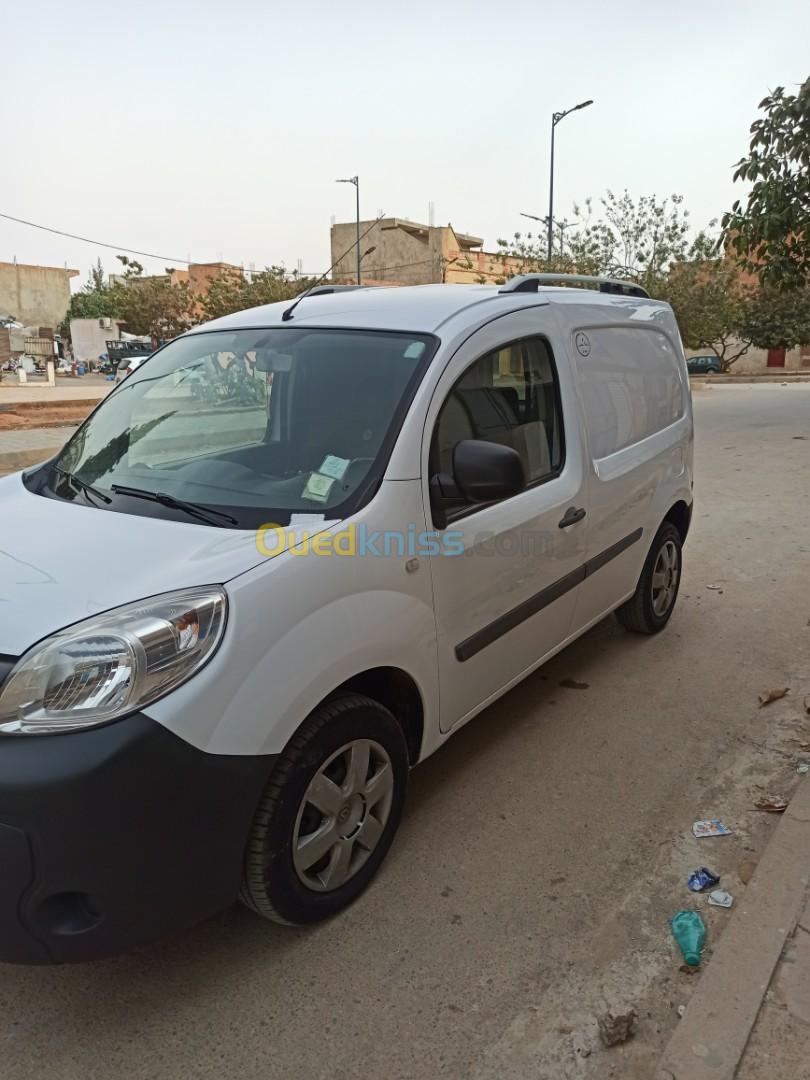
x,y
112,837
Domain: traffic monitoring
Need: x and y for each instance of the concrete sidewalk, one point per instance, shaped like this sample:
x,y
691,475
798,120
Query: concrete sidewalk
x,y
87,388
23,448
750,1015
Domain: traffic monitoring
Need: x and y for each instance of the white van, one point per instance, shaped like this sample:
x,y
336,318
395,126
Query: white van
x,y
307,543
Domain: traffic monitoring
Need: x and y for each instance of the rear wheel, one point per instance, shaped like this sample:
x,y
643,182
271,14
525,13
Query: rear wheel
x,y
649,609
329,813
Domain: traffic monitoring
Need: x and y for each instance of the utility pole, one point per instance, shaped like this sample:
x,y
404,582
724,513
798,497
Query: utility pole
x,y
555,119
356,181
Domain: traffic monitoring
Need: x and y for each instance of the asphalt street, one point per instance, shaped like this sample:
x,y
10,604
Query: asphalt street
x,y
542,851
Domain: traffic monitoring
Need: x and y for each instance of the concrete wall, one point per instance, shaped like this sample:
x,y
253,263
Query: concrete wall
x,y
35,295
89,339
407,253
402,255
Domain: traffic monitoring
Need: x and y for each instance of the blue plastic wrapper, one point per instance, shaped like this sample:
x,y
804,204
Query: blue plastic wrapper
x,y
702,879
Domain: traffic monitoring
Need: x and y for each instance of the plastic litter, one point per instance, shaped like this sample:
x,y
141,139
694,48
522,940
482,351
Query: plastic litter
x,y
689,931
681,1010
712,827
803,768
702,879
720,898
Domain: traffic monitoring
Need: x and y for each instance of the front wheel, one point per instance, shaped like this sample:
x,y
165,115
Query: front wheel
x,y
329,813
649,608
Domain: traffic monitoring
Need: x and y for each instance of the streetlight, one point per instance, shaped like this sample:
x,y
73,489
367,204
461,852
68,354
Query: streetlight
x,y
356,181
555,119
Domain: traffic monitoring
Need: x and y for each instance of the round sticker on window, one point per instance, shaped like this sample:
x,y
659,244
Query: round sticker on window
x,y
583,344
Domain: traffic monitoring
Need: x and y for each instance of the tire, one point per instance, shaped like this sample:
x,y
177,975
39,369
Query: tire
x,y
648,610
324,761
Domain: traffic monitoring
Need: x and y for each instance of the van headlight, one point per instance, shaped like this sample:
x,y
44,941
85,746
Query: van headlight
x,y
104,667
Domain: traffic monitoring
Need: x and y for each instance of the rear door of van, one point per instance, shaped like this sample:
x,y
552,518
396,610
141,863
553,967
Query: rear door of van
x,y
636,408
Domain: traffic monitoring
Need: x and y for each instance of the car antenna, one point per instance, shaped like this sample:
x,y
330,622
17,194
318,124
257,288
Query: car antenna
x,y
287,314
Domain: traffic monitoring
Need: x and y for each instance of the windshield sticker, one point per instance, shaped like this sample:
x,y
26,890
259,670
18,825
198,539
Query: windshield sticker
x,y
318,487
334,466
306,519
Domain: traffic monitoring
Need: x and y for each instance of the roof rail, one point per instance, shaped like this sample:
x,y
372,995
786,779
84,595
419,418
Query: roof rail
x,y
323,290
532,282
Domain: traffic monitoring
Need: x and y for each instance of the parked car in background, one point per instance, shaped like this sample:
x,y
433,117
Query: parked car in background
x,y
203,705
703,365
128,365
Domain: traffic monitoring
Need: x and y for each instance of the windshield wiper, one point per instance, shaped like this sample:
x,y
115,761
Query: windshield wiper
x,y
204,513
82,485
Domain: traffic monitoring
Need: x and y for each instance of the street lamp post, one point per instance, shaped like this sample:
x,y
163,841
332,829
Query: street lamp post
x,y
356,181
555,119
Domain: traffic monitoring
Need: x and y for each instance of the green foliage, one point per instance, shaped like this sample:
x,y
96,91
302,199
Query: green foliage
x,y
777,318
711,299
770,233
232,291
95,301
630,238
157,307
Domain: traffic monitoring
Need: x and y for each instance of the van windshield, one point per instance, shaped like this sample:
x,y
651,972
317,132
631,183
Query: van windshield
x,y
254,425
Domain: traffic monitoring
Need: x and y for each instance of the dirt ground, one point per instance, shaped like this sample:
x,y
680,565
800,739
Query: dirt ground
x,y
27,418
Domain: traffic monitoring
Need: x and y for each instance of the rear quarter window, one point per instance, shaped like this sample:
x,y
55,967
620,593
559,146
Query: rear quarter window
x,y
632,386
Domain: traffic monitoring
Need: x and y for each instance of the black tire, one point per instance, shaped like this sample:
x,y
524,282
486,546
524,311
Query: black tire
x,y
271,885
638,614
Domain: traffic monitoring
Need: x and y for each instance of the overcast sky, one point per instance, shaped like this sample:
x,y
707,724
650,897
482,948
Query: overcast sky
x,y
210,130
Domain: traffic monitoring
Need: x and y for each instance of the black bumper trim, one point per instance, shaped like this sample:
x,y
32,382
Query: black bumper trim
x,y
115,836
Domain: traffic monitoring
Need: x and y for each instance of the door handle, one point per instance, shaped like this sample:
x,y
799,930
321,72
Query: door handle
x,y
571,516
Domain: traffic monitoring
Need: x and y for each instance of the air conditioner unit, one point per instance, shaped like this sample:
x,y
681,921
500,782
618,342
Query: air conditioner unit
x,y
105,324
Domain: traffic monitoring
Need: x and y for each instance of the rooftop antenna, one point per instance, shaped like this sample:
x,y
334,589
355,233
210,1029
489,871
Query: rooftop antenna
x,y
431,214
287,314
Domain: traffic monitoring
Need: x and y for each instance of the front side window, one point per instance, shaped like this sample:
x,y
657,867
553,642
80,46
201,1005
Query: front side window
x,y
509,396
253,424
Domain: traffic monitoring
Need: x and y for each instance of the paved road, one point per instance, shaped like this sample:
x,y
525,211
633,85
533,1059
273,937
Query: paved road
x,y
541,853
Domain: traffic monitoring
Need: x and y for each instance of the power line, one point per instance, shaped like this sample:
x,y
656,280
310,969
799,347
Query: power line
x,y
97,243
185,262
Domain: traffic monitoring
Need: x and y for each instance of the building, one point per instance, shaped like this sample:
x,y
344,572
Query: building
x,y
35,295
406,253
89,337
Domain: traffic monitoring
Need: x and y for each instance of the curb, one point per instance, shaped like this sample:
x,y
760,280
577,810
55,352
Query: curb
x,y
57,405
710,1040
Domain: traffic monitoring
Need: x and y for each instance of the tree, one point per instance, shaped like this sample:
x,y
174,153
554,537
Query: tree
x,y
711,301
777,318
233,291
631,238
770,234
95,301
157,307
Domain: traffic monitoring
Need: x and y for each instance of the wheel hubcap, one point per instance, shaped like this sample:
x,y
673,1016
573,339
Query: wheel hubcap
x,y
342,815
665,577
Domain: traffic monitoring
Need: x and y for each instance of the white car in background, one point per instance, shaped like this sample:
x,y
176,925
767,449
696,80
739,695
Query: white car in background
x,y
128,365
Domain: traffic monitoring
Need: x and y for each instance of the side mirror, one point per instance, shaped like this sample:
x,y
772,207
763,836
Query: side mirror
x,y
487,471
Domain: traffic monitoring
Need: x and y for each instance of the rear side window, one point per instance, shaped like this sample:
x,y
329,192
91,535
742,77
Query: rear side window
x,y
632,386
509,396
